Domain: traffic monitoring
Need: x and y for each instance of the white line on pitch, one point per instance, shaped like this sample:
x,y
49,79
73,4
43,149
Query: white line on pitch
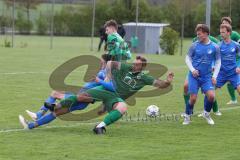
x,y
91,123
47,127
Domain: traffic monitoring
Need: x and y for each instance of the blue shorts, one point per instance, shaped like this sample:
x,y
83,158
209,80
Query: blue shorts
x,y
222,79
78,105
195,83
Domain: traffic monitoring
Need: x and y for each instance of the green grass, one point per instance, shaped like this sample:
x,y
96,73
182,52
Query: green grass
x,y
24,75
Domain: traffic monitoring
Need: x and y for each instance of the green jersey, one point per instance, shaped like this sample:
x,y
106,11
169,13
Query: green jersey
x,y
127,82
117,47
213,39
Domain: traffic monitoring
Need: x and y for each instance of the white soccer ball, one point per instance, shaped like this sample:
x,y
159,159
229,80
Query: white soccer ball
x,y
152,111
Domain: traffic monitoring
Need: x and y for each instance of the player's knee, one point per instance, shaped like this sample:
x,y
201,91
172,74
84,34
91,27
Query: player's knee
x,y
54,94
185,88
121,107
60,111
211,97
57,94
238,89
80,97
193,99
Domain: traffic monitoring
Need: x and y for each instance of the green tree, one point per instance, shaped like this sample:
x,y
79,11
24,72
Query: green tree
x,y
22,24
42,24
25,4
169,41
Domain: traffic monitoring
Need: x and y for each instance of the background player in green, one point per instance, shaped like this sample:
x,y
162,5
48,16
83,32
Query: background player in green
x,y
235,36
116,46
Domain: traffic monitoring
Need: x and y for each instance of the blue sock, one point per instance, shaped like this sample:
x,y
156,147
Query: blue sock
x,y
50,99
78,106
207,104
189,109
31,125
46,119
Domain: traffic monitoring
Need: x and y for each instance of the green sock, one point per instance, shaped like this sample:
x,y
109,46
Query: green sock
x,y
113,116
186,98
215,106
68,102
231,92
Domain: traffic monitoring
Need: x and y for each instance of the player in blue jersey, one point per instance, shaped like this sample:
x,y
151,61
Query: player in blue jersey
x,y
229,50
186,95
235,36
199,60
61,95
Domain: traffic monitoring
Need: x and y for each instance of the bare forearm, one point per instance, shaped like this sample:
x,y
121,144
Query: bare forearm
x,y
161,83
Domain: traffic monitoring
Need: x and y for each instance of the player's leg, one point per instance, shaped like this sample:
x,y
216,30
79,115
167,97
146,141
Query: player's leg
x,y
235,83
100,44
208,88
51,99
221,81
119,109
185,92
186,95
60,109
231,92
208,103
47,118
193,86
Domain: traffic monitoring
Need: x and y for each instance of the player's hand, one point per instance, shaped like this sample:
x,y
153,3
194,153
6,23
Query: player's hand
x,y
195,73
238,70
214,81
170,77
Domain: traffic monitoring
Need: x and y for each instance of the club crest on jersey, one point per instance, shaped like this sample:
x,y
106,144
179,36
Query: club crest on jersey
x,y
129,81
138,76
232,49
209,51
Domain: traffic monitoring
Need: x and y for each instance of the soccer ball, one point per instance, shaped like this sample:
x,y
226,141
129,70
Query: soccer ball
x,y
152,111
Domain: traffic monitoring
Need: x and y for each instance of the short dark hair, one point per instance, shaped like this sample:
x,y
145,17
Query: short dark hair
x,y
144,61
111,23
228,19
227,26
106,57
202,27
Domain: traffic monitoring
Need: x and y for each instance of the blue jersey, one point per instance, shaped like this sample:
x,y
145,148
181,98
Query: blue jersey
x,y
229,52
101,74
202,57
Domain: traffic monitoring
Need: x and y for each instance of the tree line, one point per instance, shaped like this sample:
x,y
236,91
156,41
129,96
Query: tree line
x,y
76,20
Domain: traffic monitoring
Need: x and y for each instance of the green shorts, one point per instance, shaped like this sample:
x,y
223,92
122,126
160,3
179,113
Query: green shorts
x,y
108,98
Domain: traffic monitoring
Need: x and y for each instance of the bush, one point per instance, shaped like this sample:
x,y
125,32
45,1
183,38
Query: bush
x,y
7,43
42,24
22,24
5,22
169,41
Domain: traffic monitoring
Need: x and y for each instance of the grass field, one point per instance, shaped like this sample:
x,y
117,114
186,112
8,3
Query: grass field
x,y
24,75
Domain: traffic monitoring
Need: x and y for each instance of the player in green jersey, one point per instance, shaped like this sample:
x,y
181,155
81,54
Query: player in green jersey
x,y
127,80
116,46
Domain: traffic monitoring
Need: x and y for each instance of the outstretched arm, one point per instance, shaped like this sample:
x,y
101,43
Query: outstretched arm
x,y
164,83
